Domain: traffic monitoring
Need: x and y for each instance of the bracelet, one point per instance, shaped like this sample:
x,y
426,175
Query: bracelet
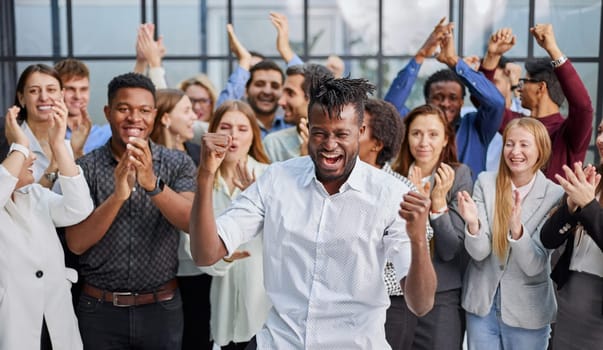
x,y
19,148
558,62
441,211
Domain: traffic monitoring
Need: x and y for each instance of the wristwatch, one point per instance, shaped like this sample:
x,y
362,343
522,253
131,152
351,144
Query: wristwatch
x,y
51,177
159,185
558,62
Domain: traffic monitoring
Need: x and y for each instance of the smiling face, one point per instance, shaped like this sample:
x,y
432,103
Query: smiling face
x,y
520,152
237,125
426,140
448,95
264,91
180,119
131,113
200,101
77,95
39,95
293,100
333,145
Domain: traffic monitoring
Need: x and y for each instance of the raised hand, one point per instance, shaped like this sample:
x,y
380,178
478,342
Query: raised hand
x,y
80,131
57,122
141,158
238,49
304,133
414,208
12,130
281,24
468,211
515,225
213,151
543,33
243,177
431,44
501,41
415,176
125,177
447,53
443,180
580,185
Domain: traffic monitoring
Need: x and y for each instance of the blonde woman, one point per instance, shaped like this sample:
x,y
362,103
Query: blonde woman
x,y
507,292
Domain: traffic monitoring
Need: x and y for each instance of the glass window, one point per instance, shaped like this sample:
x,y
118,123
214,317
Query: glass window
x,y
34,24
105,28
406,24
340,27
571,20
482,18
180,24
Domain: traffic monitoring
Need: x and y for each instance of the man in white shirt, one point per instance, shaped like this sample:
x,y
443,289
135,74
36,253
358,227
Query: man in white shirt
x,y
329,222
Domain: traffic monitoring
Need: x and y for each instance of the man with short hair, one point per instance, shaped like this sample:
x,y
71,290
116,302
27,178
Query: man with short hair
x,y
84,135
547,83
129,245
446,89
293,142
329,223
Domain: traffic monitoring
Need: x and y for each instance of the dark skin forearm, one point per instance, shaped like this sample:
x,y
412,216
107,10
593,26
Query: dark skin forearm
x,y
420,283
206,246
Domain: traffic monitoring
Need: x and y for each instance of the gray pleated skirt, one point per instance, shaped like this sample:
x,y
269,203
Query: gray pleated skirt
x,y
580,318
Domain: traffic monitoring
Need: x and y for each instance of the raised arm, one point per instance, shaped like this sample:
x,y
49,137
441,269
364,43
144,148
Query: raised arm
x,y
16,158
420,283
281,23
578,126
235,87
206,246
491,102
402,85
151,52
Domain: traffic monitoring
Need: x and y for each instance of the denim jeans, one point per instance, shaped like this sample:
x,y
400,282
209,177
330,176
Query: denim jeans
x,y
490,333
151,326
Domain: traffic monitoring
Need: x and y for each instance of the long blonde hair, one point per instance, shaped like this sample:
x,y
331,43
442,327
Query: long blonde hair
x,y
504,195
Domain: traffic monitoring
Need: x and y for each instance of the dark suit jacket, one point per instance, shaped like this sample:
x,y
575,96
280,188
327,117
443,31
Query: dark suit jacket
x,y
560,227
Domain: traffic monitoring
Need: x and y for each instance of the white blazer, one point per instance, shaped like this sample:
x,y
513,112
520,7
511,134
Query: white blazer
x,y
34,283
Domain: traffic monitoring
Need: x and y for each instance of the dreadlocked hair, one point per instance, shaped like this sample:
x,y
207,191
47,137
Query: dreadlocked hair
x,y
334,94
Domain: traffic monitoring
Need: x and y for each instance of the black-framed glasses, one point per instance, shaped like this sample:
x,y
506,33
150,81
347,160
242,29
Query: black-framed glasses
x,y
523,81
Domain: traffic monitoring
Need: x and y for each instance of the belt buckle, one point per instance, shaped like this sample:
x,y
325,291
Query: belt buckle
x,y
116,296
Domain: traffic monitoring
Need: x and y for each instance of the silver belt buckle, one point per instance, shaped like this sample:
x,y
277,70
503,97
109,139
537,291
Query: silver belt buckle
x,y
116,296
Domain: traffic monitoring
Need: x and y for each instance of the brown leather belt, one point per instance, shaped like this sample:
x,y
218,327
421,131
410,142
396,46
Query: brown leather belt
x,y
163,293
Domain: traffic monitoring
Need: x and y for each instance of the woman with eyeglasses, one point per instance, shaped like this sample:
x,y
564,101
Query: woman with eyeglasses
x,y
507,293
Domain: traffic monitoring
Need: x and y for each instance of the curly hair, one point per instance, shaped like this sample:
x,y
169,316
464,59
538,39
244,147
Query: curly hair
x,y
129,80
385,125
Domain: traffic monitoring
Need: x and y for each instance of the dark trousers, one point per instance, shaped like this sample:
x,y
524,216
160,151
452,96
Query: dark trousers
x,y
156,326
400,324
196,311
45,343
253,345
444,326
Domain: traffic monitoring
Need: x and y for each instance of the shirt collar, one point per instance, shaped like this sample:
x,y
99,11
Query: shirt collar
x,y
356,179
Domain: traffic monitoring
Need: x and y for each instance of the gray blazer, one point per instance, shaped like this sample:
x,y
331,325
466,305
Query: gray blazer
x,y
450,258
526,291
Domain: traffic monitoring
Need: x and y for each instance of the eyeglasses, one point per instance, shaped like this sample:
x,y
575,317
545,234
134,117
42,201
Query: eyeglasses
x,y
202,100
523,81
145,111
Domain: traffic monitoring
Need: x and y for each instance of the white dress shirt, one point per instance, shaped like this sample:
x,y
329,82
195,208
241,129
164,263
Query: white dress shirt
x,y
34,281
324,254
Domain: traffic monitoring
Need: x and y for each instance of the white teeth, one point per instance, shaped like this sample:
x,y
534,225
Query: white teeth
x,y
133,132
44,108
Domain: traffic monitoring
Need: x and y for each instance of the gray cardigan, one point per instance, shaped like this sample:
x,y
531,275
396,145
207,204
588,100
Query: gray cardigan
x,y
526,291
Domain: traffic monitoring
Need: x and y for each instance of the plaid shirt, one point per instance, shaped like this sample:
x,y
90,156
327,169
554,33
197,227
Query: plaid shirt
x,y
139,252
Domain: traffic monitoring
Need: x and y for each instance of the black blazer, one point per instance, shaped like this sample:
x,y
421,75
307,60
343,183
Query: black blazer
x,y
560,227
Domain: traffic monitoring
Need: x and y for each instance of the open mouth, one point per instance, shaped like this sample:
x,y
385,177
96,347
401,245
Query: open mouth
x,y
44,107
133,132
331,161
